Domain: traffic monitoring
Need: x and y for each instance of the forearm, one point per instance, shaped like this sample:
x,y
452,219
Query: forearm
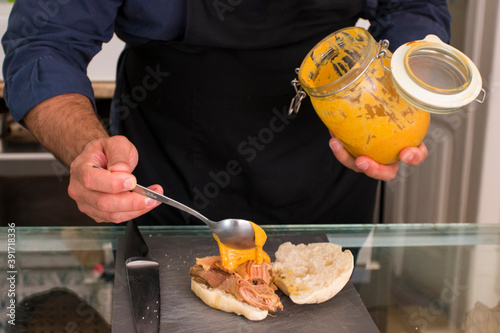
x,y
64,125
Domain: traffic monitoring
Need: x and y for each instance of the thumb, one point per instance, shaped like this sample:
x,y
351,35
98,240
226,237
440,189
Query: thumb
x,y
121,154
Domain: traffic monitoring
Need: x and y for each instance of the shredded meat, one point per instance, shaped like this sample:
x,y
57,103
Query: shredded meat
x,y
250,282
212,277
207,262
231,286
259,295
261,273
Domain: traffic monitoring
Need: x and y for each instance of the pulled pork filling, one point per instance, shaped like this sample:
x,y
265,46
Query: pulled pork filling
x,y
250,282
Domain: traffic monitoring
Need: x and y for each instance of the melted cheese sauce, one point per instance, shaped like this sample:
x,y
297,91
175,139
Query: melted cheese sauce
x,y
232,258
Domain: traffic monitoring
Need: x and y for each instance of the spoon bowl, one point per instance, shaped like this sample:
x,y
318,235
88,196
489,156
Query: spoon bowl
x,y
234,233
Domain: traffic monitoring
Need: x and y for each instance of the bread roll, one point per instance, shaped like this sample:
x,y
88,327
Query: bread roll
x,y
221,300
312,273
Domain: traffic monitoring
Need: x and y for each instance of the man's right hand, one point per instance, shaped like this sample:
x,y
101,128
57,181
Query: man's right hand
x,y
105,195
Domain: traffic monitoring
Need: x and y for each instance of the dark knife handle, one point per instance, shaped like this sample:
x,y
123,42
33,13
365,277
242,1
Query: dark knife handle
x,y
135,245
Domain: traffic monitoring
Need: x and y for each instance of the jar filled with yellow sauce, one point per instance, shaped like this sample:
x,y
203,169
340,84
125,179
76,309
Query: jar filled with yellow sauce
x,y
348,80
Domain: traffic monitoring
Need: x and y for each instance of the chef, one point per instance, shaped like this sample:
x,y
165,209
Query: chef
x,y
200,111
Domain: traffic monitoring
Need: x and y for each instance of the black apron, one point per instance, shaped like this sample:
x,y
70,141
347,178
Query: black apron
x,y
209,116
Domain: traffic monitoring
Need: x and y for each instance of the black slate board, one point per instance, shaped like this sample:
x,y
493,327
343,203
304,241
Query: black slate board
x,y
183,311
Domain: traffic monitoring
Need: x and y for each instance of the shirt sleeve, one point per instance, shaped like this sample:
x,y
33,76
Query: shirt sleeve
x,y
48,46
407,20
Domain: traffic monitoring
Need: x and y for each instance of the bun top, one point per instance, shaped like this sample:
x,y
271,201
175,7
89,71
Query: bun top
x,y
312,273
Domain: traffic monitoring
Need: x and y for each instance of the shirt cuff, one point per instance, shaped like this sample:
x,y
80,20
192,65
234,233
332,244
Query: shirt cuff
x,y
41,79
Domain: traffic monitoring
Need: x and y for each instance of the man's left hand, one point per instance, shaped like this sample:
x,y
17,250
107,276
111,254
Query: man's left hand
x,y
410,155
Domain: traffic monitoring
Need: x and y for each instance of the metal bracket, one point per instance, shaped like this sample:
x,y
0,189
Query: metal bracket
x,y
297,100
383,46
483,98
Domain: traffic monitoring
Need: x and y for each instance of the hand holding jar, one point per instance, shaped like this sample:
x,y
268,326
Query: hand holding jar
x,y
377,108
385,172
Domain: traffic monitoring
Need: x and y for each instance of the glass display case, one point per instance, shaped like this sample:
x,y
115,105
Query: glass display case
x,y
411,277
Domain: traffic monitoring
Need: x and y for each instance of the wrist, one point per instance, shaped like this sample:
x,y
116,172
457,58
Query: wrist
x,y
65,124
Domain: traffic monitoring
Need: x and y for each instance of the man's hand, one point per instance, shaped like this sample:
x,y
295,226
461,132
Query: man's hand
x,y
411,155
68,127
105,195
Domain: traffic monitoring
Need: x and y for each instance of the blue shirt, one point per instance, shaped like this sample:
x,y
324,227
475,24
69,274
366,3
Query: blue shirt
x,y
49,44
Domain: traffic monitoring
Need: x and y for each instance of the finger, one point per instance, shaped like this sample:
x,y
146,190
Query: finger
x,y
342,155
121,154
105,181
117,208
376,170
414,155
122,202
114,217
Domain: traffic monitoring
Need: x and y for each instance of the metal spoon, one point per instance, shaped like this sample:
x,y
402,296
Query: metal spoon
x,y
234,233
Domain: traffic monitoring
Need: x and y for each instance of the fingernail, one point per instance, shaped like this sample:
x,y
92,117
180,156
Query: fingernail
x,y
407,157
363,166
335,146
150,202
128,184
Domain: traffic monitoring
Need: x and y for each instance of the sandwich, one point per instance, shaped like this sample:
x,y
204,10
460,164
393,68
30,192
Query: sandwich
x,y
245,282
248,291
238,281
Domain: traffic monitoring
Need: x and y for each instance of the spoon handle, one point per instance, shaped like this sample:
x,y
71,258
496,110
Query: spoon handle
x,y
166,200
171,202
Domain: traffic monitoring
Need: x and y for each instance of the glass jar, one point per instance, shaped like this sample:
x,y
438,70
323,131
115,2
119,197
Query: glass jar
x,y
377,107
347,78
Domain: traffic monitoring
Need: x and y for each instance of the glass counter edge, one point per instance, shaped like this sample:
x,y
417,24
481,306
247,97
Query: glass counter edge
x,y
270,229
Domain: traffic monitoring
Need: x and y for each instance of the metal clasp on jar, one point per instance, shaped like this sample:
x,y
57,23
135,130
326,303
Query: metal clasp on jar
x,y
481,100
383,45
299,96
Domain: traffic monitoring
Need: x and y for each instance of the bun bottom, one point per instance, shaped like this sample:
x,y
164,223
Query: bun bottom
x,y
221,300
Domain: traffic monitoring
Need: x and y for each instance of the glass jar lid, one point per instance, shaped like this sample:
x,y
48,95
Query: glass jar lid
x,y
435,76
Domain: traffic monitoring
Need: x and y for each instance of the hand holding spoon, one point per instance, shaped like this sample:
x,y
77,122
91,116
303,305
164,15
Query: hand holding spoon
x,y
234,233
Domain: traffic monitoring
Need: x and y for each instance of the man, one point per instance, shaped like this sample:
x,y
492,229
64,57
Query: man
x,y
201,105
